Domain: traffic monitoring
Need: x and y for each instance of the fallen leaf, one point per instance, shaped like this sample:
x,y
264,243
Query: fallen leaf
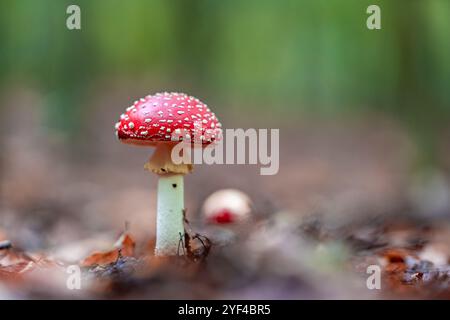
x,y
100,258
126,244
395,255
14,262
123,247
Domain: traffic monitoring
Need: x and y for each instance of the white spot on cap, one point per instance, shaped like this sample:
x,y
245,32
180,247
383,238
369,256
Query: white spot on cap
x,y
131,125
180,112
148,120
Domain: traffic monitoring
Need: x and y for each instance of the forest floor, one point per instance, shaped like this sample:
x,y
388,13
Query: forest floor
x,y
277,258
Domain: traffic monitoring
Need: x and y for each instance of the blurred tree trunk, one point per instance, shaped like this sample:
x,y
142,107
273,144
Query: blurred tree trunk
x,y
413,89
196,28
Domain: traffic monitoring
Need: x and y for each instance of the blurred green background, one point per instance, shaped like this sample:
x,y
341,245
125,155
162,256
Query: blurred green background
x,y
284,59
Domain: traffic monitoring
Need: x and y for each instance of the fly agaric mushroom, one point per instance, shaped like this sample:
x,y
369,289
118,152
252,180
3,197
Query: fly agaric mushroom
x,y
161,121
227,206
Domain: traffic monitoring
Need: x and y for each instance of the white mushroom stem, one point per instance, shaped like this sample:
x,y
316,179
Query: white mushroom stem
x,y
169,217
169,221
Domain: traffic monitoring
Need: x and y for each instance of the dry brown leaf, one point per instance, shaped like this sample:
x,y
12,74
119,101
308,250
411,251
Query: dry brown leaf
x,y
396,255
13,256
14,263
124,246
15,270
100,258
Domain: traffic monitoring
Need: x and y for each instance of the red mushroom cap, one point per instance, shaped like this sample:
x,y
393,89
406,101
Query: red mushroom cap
x,y
222,217
168,117
227,206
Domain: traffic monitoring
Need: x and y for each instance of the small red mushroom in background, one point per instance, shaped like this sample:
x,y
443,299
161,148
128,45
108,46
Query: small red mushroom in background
x,y
162,121
227,206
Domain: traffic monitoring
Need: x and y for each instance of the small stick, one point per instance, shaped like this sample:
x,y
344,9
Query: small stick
x,y
181,244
